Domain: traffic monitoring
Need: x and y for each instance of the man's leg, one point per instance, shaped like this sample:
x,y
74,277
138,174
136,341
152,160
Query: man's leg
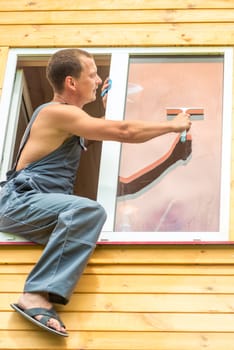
x,y
75,224
69,247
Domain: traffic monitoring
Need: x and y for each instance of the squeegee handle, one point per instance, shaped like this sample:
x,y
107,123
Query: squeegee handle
x,y
183,136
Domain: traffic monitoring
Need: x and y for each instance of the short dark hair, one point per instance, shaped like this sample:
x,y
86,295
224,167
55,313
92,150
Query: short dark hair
x,y
63,63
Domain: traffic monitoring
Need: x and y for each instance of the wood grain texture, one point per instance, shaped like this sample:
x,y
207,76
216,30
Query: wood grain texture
x,y
44,5
117,16
126,35
131,300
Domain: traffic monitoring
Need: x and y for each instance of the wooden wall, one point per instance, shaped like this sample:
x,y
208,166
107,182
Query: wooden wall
x,y
138,298
163,298
130,297
26,23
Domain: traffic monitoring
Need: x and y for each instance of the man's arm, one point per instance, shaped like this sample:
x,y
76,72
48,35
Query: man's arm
x,y
73,120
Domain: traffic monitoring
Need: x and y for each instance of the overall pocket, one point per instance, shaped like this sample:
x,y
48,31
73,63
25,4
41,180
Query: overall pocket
x,y
23,183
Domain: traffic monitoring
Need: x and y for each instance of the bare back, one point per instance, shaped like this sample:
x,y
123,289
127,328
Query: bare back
x,y
44,138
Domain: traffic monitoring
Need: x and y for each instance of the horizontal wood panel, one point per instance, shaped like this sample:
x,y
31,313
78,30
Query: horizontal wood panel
x,y
104,255
156,284
116,35
131,322
109,302
137,284
117,341
152,303
135,269
25,5
174,254
117,16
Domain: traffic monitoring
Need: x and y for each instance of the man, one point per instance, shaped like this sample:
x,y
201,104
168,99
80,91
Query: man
x,y
36,200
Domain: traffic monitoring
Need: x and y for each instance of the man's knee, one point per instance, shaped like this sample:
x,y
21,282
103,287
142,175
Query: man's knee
x,y
98,210
85,210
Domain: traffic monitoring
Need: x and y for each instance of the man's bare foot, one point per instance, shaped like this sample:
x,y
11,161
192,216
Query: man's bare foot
x,y
33,300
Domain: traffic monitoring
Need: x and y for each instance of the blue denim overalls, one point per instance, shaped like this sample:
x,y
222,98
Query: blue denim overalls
x,y
37,203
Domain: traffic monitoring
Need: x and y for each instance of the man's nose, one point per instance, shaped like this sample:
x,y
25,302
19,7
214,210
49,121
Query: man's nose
x,y
99,80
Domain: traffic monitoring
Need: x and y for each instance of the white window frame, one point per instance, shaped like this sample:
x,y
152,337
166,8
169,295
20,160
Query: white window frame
x,y
107,186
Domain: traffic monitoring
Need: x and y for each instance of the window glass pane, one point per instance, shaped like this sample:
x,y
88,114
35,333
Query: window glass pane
x,y
166,185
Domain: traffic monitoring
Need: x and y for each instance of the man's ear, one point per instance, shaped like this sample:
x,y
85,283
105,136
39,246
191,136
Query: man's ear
x,y
70,82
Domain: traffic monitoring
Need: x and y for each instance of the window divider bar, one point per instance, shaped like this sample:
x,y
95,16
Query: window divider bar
x,y
109,167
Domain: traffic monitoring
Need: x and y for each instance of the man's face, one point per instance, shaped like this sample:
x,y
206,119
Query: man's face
x,y
88,81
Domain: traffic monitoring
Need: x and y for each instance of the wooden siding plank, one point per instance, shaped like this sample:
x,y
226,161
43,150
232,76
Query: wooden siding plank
x,y
189,303
110,302
137,284
115,35
36,340
172,254
45,5
120,16
117,341
159,269
155,284
145,269
131,322
104,255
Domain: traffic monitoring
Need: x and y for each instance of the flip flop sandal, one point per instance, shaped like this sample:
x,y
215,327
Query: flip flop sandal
x,y
47,315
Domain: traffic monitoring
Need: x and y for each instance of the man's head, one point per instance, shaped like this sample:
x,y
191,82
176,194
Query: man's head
x,y
65,63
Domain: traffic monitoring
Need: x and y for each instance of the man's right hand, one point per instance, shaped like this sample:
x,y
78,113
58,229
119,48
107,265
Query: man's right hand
x,y
181,122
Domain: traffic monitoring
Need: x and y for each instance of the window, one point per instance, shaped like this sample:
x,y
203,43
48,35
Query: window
x,y
163,190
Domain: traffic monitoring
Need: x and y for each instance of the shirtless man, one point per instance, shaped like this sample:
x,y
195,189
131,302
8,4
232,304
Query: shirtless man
x,y
37,201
